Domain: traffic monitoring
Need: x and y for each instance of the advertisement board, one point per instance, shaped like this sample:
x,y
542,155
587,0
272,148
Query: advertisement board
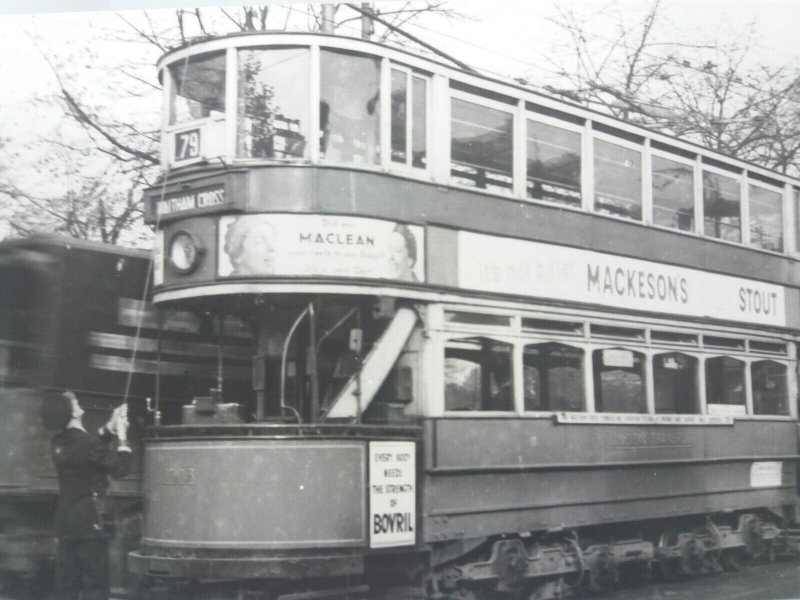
x,y
522,267
307,245
392,494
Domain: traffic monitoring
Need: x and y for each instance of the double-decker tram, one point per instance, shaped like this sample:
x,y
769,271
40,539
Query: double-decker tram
x,y
488,341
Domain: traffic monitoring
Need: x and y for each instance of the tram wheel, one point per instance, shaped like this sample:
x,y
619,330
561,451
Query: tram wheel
x,y
669,567
548,590
468,593
736,559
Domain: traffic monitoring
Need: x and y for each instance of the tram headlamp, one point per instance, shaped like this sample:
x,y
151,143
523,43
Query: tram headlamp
x,y
184,252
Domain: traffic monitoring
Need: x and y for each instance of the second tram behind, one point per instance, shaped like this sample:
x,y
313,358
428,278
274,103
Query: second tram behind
x,y
488,341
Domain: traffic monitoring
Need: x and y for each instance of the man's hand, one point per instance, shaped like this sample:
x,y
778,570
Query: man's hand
x,y
119,415
121,424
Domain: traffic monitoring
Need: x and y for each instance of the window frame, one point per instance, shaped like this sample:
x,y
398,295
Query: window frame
x,y
791,385
462,336
215,131
523,343
629,145
383,125
408,167
699,377
692,164
646,375
740,179
519,338
312,143
766,187
560,124
485,103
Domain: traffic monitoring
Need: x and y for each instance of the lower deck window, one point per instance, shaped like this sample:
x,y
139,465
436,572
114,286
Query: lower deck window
x,y
612,368
770,388
478,375
553,377
619,384
725,381
675,383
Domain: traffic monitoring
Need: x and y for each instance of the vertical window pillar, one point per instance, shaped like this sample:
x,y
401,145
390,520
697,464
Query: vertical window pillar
x,y
649,386
791,374
231,101
744,210
790,219
748,386
385,125
167,151
588,370
519,387
519,167
647,184
702,404
699,220
587,171
440,129
409,118
795,195
314,88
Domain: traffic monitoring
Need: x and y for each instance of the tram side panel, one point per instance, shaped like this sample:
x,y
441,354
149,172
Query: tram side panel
x,y
489,476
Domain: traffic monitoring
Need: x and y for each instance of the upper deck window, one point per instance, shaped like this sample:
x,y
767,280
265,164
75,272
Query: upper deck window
x,y
554,164
722,207
409,119
198,88
617,180
796,196
349,111
273,112
673,194
766,218
481,146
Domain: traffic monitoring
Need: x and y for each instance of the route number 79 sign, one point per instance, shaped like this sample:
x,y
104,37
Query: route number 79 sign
x,y
187,144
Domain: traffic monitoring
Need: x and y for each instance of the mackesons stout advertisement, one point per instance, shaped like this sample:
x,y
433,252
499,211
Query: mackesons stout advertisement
x,y
335,246
535,269
392,494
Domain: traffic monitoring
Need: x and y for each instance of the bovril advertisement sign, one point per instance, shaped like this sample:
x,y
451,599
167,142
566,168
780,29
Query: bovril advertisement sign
x,y
336,246
547,271
392,494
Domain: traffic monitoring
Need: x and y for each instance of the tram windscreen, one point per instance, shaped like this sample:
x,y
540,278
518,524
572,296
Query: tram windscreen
x,y
349,112
274,110
198,88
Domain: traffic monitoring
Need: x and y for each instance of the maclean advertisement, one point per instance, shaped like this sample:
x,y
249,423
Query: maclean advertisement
x,y
526,268
335,246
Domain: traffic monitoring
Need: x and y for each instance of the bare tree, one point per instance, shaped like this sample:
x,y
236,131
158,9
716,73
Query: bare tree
x,y
706,93
108,156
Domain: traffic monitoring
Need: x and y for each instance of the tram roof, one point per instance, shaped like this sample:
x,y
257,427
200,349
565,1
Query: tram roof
x,y
67,243
507,87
